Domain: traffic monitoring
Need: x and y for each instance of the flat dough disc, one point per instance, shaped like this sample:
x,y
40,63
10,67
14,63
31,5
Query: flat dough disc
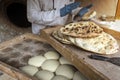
x,y
44,75
79,76
59,77
65,70
30,70
62,60
52,55
36,60
50,65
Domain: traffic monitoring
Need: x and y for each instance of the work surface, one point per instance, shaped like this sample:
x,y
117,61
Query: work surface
x,y
16,52
93,69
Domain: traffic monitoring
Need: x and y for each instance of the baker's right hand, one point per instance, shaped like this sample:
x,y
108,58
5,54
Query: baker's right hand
x,y
68,8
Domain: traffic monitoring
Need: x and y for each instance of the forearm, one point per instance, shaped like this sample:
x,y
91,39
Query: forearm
x,y
36,13
43,17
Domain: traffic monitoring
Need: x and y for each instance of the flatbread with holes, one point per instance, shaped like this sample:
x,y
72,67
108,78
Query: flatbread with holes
x,y
84,29
60,37
88,36
103,44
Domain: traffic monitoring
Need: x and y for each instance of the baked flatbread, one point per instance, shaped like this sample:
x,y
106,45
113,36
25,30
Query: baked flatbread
x,y
89,15
88,36
82,29
60,37
103,44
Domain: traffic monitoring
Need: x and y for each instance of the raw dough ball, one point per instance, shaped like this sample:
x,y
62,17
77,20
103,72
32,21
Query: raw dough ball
x,y
50,65
36,61
64,61
30,70
65,70
44,75
59,77
52,55
79,76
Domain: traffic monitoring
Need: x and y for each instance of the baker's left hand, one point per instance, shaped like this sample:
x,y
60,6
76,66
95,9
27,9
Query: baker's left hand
x,y
84,10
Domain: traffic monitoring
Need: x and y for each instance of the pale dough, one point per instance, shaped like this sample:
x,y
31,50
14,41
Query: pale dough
x,y
59,77
50,65
64,61
44,75
36,60
79,76
65,70
52,55
30,70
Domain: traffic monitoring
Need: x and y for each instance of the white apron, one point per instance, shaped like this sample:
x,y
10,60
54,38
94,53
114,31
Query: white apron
x,y
42,13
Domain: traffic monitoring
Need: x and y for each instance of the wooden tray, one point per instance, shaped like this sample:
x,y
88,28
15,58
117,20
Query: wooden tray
x,y
13,54
14,73
93,69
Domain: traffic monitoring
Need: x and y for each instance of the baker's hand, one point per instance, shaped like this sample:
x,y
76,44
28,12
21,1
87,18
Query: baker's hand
x,y
68,8
76,11
84,10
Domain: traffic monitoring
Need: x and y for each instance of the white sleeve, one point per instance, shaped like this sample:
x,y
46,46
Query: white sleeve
x,y
35,15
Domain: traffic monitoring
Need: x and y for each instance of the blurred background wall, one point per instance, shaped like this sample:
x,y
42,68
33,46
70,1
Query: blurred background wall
x,y
107,7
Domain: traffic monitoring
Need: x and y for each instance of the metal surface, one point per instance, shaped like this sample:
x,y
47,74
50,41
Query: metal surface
x,y
113,60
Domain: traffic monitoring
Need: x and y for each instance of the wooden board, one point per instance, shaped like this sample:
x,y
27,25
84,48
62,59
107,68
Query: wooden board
x,y
118,10
11,67
16,52
14,73
93,69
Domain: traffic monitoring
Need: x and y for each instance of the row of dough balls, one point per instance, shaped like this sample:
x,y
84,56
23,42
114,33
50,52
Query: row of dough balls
x,y
51,66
